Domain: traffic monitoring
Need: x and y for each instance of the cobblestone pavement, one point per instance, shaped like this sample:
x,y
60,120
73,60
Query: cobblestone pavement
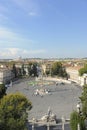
x,y
62,99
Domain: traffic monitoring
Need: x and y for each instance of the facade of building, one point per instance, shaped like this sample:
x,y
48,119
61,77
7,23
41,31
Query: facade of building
x,y
73,74
83,79
5,75
46,67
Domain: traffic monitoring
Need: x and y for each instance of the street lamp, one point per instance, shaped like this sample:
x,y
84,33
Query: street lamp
x,y
33,123
63,121
78,110
78,127
48,126
78,107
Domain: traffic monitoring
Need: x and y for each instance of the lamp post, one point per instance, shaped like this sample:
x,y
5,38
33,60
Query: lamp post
x,y
78,107
33,124
78,110
49,112
48,126
63,121
78,127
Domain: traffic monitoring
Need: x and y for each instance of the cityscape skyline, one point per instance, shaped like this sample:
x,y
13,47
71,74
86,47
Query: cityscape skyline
x,y
43,29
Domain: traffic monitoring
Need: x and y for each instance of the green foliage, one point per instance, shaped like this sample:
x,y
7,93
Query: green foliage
x,y
76,119
47,72
83,99
13,113
2,90
14,70
19,72
32,69
83,70
22,69
29,69
58,70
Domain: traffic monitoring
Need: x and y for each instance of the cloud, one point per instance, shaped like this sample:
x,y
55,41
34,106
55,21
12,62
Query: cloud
x,y
9,52
33,51
16,52
11,45
8,36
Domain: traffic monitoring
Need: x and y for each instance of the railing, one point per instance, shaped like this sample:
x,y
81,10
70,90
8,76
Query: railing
x,y
49,126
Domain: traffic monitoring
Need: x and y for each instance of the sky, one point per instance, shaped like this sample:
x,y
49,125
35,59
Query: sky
x,y
43,28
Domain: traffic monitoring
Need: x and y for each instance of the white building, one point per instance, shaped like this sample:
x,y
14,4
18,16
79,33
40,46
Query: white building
x,y
73,73
5,75
83,79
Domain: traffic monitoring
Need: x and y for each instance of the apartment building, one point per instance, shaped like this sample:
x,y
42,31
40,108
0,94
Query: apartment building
x,y
5,75
73,73
46,67
83,79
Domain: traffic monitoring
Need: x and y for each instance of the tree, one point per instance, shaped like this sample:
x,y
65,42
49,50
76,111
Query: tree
x,y
22,69
80,118
58,70
14,70
83,99
2,90
19,72
83,70
47,72
29,69
32,69
56,67
76,119
13,115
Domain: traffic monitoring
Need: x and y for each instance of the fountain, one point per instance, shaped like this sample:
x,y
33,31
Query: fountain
x,y
49,117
